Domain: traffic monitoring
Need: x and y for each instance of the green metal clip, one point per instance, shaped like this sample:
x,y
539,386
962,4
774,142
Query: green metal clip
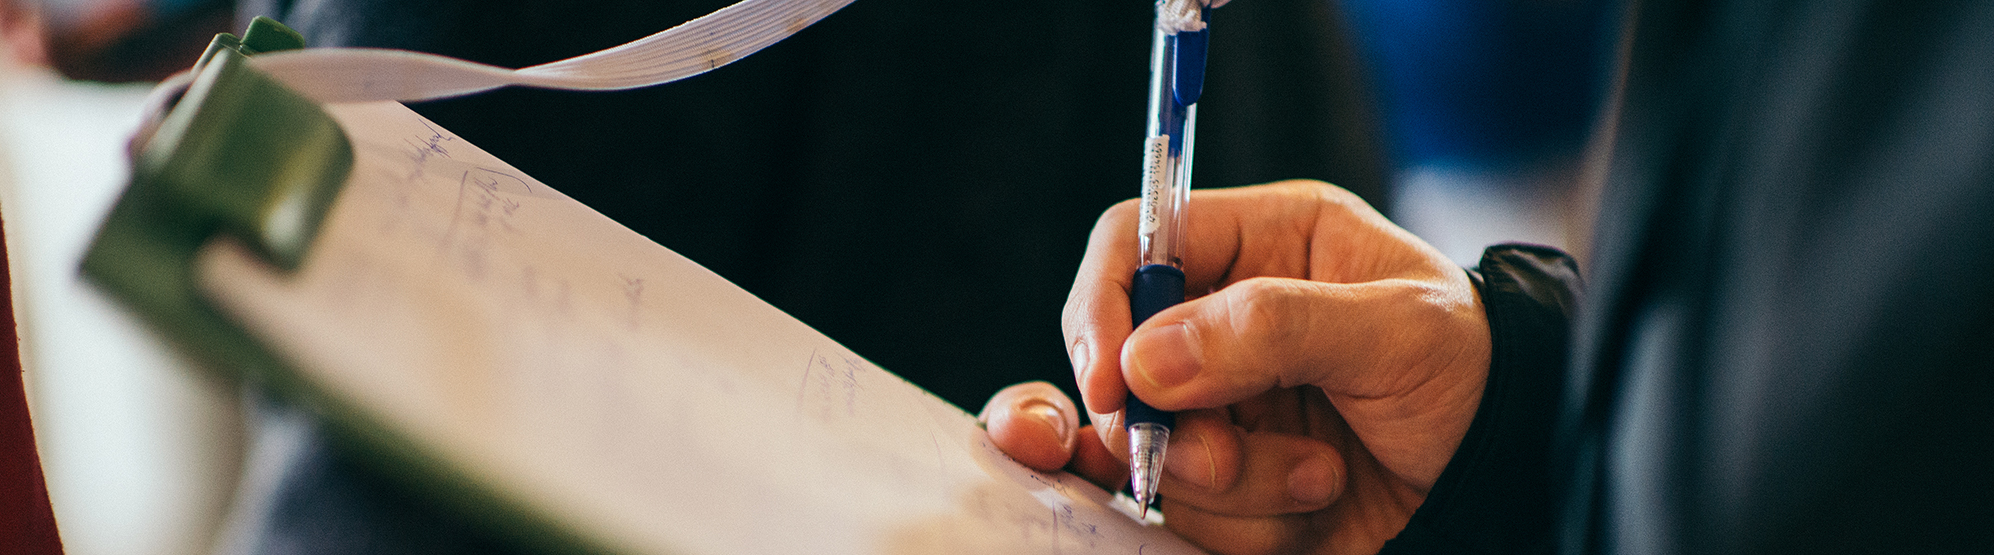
x,y
239,154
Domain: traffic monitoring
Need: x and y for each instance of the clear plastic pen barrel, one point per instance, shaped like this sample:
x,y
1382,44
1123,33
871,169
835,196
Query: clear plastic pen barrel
x,y
1146,448
1176,79
1166,157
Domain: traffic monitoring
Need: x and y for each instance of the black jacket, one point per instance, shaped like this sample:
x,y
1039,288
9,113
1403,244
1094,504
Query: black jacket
x,y
1787,345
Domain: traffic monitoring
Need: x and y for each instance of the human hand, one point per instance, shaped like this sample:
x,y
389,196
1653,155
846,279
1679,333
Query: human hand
x,y
1321,385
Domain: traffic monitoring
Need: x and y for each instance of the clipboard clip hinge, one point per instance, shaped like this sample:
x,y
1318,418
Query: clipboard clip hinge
x,y
224,148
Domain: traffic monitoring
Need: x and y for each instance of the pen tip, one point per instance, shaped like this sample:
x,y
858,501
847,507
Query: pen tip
x,y
1145,512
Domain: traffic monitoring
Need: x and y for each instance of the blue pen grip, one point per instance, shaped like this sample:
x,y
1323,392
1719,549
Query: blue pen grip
x,y
1156,287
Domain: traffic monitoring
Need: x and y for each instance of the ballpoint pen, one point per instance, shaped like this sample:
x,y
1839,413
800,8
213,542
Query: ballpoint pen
x,y
1176,79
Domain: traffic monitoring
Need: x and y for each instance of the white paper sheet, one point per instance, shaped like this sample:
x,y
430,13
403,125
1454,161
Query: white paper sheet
x,y
606,384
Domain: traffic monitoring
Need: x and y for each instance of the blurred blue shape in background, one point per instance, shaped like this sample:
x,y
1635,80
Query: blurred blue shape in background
x,y
1487,109
1485,82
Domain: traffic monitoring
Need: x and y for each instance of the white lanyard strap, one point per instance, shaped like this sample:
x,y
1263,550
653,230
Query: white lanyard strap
x,y
692,48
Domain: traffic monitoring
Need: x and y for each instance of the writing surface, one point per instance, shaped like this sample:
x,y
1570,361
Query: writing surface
x,y
594,380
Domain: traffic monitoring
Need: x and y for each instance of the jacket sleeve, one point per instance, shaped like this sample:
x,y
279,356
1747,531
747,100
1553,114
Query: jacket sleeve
x,y
1495,495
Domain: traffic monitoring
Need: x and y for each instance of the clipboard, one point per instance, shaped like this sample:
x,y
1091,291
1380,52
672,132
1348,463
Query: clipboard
x,y
563,381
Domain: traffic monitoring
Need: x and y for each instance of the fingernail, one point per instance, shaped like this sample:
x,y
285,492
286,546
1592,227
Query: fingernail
x,y
1312,482
1189,459
1047,414
1166,357
1080,357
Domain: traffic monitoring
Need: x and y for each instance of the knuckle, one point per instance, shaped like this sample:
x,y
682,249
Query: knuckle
x,y
1437,306
1267,311
1306,191
1258,303
1319,189
1072,317
1333,194
1123,211
1082,312
1433,333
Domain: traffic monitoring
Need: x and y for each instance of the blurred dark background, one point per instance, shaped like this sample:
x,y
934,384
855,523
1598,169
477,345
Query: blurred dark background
x,y
916,179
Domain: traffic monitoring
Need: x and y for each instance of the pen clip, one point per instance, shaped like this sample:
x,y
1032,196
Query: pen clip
x,y
1189,61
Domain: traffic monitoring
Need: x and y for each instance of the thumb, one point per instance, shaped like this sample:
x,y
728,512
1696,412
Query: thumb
x,y
1371,339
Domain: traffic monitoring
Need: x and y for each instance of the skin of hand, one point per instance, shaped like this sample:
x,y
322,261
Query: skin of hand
x,y
1321,381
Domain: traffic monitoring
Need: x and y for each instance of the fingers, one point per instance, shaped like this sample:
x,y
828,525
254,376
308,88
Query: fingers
x,y
1098,464
1212,464
1223,469
1034,423
1295,229
1366,340
1404,361
1096,317
1307,286
1238,535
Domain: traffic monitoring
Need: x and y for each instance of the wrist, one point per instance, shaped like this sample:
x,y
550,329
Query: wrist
x,y
1495,492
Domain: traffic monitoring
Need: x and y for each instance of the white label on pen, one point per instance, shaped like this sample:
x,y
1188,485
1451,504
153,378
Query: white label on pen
x,y
1155,153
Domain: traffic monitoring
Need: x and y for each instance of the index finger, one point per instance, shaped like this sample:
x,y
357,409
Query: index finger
x,y
1096,318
